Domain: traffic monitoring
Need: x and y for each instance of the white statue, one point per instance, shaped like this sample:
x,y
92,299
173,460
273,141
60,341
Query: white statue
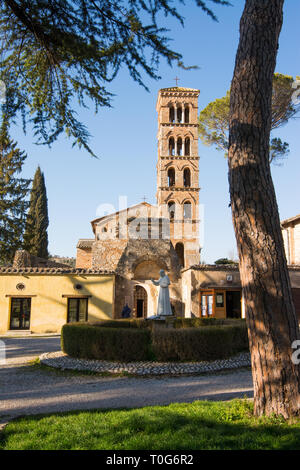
x,y
163,306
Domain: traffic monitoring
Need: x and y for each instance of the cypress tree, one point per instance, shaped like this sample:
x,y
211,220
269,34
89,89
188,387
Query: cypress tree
x,y
13,192
36,236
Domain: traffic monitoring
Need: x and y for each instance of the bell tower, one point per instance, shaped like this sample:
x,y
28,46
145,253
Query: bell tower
x,y
178,169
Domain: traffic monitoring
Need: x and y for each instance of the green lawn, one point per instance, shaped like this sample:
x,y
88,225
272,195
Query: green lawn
x,y
200,425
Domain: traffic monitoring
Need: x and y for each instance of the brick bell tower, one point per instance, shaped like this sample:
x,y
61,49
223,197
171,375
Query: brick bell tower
x,y
178,169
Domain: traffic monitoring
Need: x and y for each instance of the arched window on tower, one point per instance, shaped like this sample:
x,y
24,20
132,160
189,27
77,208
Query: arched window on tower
x,y
179,114
171,209
179,248
179,146
172,114
171,177
186,178
186,114
187,210
187,146
171,146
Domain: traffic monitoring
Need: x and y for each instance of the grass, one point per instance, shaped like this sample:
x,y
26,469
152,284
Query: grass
x,y
199,425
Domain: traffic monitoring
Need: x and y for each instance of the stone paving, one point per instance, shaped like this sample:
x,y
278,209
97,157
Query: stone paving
x,y
59,360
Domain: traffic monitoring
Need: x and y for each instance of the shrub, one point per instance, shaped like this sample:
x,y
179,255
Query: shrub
x,y
199,344
116,344
122,323
198,322
135,343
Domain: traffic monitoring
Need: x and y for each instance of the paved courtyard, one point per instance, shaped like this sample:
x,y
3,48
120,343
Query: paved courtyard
x,y
26,389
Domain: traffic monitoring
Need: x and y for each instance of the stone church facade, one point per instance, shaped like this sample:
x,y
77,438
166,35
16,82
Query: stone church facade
x,y
139,241
131,246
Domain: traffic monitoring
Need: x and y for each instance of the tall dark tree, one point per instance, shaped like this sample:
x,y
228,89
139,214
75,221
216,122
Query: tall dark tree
x,y
271,319
13,192
60,51
36,235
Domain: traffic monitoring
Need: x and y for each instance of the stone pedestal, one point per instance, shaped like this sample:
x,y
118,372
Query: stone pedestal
x,y
164,321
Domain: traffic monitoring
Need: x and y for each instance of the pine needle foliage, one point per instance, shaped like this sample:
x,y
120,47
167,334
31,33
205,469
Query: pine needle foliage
x,y
214,118
59,52
36,235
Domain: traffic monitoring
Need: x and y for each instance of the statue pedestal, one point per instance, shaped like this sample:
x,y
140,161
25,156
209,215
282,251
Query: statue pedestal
x,y
164,321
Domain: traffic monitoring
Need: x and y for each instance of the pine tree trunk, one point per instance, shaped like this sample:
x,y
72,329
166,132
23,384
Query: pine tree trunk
x,y
270,313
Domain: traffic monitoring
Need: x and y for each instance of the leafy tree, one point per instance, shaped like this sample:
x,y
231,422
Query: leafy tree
x,y
36,236
214,119
63,259
61,51
270,313
13,192
225,261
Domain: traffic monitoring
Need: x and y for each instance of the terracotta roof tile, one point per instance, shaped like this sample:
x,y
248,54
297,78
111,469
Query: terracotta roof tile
x,y
178,88
10,270
85,243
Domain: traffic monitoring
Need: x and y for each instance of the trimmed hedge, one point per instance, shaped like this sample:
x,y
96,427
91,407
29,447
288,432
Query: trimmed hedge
x,y
122,323
199,344
178,322
115,344
127,344
198,322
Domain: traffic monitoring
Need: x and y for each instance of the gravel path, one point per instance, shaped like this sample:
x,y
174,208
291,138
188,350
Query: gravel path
x,y
26,390
21,350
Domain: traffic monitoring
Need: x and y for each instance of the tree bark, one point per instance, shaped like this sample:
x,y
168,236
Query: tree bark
x,y
271,320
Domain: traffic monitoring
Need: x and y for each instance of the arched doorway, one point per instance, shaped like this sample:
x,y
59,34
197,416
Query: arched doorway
x,y
140,301
180,252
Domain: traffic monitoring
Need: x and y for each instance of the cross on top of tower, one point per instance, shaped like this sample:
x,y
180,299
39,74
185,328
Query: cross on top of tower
x,y
177,80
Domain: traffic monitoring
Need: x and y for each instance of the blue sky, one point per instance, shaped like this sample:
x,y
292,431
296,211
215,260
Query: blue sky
x,y
124,137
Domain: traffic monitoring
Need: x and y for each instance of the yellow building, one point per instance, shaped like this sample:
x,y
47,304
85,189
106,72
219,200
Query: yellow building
x,y
42,300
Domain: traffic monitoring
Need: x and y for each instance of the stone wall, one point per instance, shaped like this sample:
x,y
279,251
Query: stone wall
x,y
107,253
140,262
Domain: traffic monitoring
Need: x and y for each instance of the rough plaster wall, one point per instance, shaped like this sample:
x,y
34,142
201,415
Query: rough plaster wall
x,y
186,293
295,278
84,258
286,244
297,243
206,279
296,299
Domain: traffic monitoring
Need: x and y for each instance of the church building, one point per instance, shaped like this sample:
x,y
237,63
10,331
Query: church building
x,y
116,266
136,243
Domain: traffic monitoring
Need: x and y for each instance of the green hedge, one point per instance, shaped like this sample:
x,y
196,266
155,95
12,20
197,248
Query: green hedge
x,y
115,344
178,323
199,344
126,344
198,322
120,323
